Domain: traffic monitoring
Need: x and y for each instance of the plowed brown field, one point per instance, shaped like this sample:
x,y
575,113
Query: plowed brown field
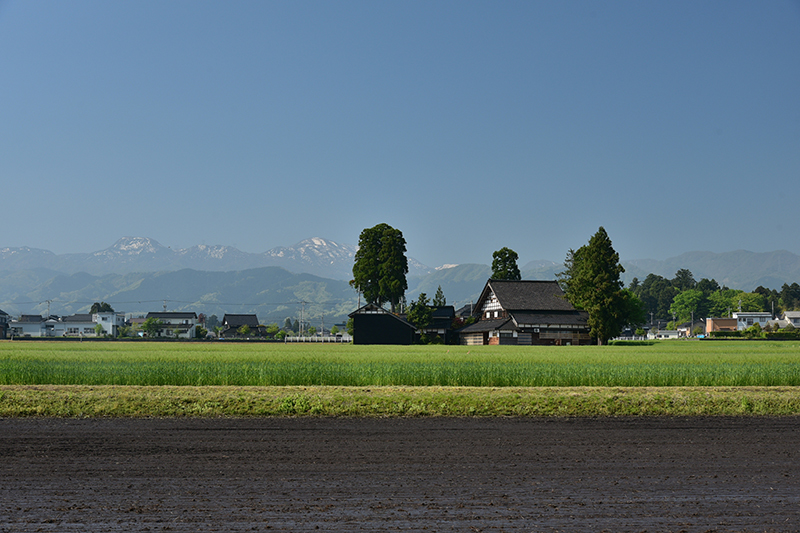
x,y
434,474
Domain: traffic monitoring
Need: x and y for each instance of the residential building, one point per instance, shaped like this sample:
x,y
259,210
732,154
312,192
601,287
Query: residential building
x,y
662,334
720,324
793,318
232,323
176,324
441,325
747,319
526,312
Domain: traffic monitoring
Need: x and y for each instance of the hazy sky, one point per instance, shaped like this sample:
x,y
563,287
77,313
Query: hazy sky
x,y
469,126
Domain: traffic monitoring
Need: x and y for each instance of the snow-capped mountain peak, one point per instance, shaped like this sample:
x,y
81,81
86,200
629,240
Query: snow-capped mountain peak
x,y
132,246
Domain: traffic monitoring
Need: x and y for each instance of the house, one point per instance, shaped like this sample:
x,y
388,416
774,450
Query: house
x,y
372,324
231,324
525,312
110,321
176,324
441,323
656,334
720,324
4,317
78,325
687,328
27,326
793,318
747,319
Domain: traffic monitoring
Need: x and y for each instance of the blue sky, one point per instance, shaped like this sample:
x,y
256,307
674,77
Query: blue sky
x,y
469,126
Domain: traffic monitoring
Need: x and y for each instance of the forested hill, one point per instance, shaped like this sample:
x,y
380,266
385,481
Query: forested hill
x,y
737,270
273,293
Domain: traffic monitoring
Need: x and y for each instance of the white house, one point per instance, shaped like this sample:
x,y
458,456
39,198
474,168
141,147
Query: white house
x,y
793,318
748,319
111,322
655,334
78,325
176,324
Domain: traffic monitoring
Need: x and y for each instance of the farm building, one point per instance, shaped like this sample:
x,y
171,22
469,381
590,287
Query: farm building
x,y
232,323
372,324
441,325
525,312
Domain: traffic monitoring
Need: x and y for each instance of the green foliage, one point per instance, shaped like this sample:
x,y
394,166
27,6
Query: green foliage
x,y
684,280
438,299
152,326
243,330
98,330
380,267
311,331
101,307
420,313
200,332
334,330
212,322
504,265
591,282
272,330
350,326
686,304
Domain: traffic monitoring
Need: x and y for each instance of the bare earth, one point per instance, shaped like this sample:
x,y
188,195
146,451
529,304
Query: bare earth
x,y
628,474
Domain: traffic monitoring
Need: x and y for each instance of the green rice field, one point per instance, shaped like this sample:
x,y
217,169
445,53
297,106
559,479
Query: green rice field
x,y
199,364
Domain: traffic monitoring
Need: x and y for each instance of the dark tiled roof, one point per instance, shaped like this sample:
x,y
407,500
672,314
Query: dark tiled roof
x,y
3,313
31,318
465,311
82,317
575,318
529,295
445,311
237,321
372,308
482,326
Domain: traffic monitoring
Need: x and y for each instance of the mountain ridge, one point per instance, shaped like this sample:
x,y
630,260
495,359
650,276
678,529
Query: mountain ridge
x,y
318,256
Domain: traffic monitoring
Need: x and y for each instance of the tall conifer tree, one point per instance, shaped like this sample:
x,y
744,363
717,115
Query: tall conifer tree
x,y
591,282
380,267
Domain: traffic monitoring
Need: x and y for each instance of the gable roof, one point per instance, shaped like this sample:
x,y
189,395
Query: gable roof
x,y
237,321
525,295
81,317
375,309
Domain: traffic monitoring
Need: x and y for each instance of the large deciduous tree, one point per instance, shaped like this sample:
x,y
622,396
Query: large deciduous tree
x,y
380,267
504,265
591,282
101,307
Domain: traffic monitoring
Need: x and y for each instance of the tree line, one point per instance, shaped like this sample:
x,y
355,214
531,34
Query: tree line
x,y
682,297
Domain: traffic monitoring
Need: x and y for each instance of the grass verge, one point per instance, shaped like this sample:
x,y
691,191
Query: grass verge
x,y
71,401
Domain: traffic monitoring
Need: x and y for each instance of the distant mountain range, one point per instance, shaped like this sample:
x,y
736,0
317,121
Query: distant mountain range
x,y
317,256
138,274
